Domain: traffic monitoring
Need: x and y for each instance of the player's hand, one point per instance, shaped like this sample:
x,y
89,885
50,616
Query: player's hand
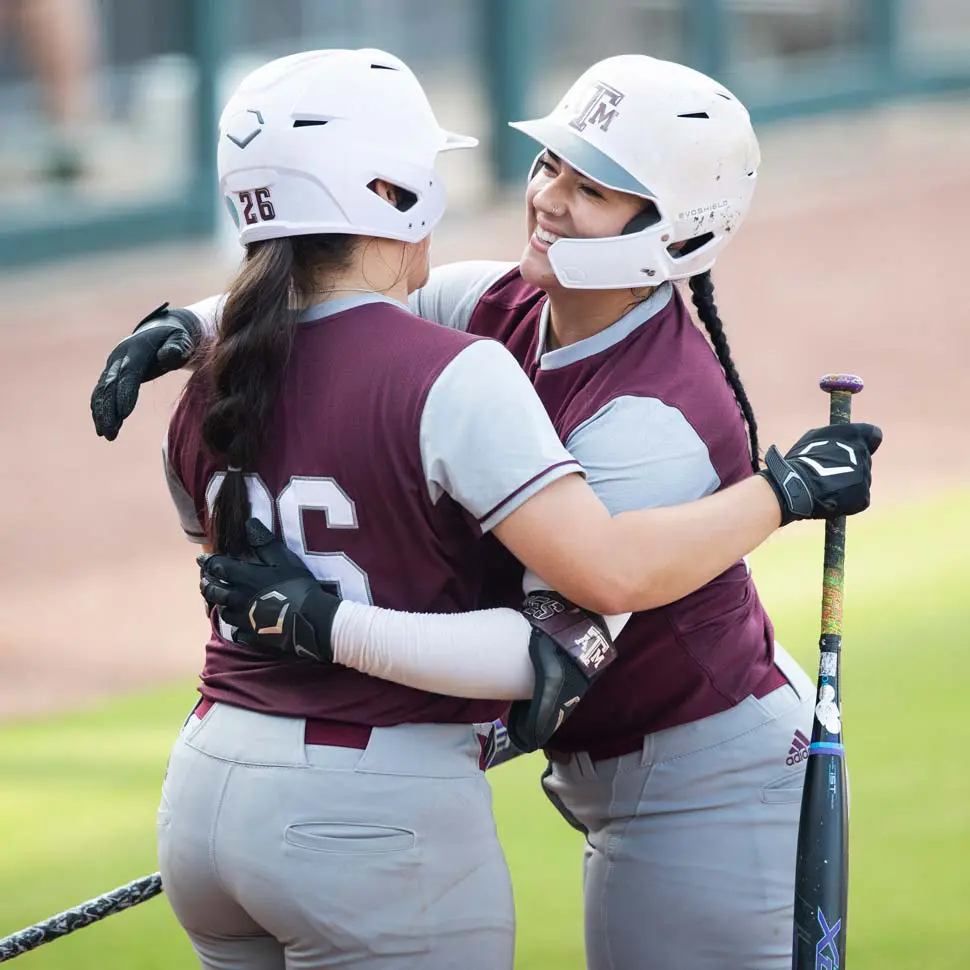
x,y
162,342
570,648
826,473
274,601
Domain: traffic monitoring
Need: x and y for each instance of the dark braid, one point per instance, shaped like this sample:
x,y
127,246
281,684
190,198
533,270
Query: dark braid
x,y
245,364
702,294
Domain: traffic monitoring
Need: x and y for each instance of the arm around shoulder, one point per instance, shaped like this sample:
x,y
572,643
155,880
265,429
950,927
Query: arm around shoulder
x,y
641,560
163,341
635,560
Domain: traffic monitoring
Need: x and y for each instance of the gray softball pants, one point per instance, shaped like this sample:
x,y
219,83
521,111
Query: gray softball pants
x,y
277,854
690,857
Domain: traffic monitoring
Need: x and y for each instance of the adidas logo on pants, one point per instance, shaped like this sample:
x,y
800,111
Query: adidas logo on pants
x,y
798,750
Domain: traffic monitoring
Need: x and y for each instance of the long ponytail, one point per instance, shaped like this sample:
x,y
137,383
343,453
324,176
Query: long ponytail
x,y
246,362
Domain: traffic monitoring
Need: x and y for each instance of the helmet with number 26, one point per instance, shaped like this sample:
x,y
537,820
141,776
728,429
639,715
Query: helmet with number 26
x,y
666,133
304,137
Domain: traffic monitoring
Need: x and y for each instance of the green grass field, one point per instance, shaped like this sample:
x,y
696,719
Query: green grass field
x,y
78,793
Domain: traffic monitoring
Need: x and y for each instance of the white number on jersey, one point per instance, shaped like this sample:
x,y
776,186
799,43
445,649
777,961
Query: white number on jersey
x,y
298,495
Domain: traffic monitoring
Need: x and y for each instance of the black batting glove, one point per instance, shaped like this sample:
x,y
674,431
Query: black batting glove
x,y
162,342
826,473
570,647
274,601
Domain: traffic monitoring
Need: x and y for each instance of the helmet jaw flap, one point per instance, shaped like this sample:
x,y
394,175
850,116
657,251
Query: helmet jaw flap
x,y
304,137
663,132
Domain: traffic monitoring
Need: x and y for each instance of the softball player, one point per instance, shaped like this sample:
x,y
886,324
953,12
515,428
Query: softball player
x,y
677,762
413,453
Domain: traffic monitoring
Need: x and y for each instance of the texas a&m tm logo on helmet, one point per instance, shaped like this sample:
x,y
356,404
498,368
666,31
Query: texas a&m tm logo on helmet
x,y
598,109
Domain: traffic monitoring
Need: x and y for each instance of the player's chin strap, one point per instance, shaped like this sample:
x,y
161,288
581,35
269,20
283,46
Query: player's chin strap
x,y
569,649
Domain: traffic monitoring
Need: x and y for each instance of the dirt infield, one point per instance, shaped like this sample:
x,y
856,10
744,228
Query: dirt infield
x,y
850,261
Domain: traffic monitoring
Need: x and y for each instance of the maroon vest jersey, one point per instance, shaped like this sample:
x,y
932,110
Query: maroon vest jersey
x,y
341,476
709,650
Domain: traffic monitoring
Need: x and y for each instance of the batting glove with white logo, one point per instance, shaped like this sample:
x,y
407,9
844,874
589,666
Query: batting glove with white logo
x,y
570,647
162,342
274,602
826,473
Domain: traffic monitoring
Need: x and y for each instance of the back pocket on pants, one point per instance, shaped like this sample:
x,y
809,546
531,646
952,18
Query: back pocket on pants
x,y
349,837
369,883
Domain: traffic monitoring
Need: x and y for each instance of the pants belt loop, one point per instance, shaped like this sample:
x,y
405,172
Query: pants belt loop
x,y
646,752
585,764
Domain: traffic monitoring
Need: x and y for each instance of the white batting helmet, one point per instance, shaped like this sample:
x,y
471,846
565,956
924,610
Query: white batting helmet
x,y
304,136
666,133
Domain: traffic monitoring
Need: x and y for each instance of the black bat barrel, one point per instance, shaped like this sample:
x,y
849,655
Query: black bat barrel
x,y
822,860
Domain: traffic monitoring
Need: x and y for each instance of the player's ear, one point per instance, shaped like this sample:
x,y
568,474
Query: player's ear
x,y
385,190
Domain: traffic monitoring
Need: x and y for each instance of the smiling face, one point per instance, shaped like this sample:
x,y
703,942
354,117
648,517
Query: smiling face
x,y
562,202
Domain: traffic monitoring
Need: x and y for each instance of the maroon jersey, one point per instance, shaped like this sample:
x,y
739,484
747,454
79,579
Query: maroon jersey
x,y
365,459
709,650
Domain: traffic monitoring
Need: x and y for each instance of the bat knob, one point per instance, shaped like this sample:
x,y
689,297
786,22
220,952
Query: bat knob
x,y
849,383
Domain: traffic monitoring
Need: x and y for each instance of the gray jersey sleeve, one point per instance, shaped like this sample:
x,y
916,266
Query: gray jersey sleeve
x,y
453,291
641,453
485,438
184,505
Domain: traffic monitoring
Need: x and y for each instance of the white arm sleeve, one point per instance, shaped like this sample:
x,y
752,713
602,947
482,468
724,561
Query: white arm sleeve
x,y
453,291
209,313
482,655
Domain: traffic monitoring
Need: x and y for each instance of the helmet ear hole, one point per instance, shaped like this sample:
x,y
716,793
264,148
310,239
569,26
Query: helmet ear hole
x,y
678,250
648,216
404,199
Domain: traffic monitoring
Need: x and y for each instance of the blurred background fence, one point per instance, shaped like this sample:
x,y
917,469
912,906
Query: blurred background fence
x,y
108,107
